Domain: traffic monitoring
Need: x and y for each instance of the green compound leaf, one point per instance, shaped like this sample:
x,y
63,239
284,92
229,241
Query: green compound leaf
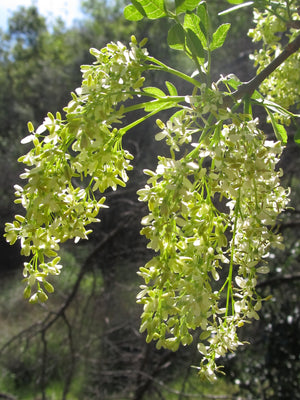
x,y
152,9
219,36
176,37
185,5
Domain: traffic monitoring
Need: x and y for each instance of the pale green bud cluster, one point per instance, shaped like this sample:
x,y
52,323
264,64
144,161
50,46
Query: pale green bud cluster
x,y
269,29
210,212
178,130
70,160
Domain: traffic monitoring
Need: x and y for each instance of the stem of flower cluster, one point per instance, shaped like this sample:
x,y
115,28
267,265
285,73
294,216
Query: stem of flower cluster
x,y
229,278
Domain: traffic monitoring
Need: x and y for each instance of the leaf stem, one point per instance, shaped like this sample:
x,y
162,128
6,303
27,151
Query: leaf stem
x,y
194,152
160,66
229,278
140,120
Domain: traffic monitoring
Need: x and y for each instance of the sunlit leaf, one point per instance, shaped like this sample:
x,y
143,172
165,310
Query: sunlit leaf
x,y
171,88
153,8
132,14
233,81
185,5
219,36
154,91
277,108
195,34
279,130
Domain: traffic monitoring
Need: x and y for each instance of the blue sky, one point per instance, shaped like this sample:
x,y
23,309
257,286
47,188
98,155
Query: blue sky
x,y
68,10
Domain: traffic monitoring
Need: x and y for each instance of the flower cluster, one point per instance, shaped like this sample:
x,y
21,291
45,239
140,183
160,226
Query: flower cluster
x,y
209,212
182,125
187,230
269,29
70,160
178,130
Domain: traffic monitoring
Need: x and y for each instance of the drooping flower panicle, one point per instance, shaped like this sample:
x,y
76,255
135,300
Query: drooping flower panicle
x,y
212,212
73,158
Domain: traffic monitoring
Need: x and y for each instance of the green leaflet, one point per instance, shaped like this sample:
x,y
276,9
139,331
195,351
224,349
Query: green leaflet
x,y
192,25
203,15
176,37
195,46
232,81
132,14
154,91
185,5
171,88
152,9
276,108
279,129
219,36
